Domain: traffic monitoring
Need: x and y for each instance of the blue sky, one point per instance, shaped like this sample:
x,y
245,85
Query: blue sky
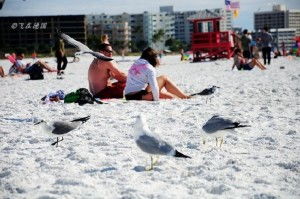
x,y
49,7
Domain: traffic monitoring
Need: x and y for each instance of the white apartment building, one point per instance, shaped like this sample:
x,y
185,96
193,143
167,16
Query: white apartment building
x,y
115,26
137,27
160,21
293,21
142,27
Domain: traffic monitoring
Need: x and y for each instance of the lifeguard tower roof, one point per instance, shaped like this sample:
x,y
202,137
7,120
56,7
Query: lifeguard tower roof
x,y
205,14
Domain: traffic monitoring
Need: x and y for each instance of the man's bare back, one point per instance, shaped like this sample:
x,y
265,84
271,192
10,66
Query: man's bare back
x,y
100,74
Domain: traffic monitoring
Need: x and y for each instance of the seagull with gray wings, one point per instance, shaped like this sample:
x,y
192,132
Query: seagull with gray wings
x,y
83,49
207,91
151,143
60,128
216,126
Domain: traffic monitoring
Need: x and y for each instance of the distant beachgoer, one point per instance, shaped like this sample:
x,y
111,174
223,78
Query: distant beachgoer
x,y
283,49
60,56
123,54
255,52
241,63
142,83
253,49
105,39
2,74
181,54
246,41
101,73
197,58
266,42
26,68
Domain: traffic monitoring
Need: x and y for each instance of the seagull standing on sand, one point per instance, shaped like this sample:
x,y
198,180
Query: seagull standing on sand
x,y
83,49
151,143
217,125
59,128
207,92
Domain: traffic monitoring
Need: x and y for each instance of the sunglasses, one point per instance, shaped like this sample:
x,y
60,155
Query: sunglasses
x,y
108,51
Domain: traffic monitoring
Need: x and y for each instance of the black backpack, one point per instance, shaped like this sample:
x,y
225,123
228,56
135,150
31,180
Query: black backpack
x,y
84,97
36,72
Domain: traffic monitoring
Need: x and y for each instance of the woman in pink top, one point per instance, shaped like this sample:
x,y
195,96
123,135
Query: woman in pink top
x,y
142,83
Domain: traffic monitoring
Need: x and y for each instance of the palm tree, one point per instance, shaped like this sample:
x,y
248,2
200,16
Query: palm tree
x,y
157,37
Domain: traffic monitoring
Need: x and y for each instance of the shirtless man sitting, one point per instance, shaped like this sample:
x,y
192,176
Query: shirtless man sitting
x,y
101,74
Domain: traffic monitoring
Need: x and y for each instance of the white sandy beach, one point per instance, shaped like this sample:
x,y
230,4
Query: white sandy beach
x,y
101,160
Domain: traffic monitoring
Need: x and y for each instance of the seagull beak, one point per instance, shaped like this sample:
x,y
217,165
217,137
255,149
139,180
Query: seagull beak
x,y
39,122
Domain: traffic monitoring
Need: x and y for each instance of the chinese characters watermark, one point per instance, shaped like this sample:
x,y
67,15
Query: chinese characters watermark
x,y
29,25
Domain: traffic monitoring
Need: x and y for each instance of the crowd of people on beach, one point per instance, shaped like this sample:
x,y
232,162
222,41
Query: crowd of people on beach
x,y
141,83
106,80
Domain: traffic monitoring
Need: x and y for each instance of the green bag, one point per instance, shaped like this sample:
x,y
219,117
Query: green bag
x,y
71,97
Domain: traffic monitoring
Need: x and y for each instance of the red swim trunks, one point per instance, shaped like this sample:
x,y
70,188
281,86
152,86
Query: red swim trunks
x,y
113,91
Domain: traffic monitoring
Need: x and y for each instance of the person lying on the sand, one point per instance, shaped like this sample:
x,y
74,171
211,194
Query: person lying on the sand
x,y
20,67
240,62
2,74
102,72
142,83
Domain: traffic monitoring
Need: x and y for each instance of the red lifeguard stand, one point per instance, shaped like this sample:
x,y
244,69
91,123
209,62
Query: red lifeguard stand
x,y
208,42
297,39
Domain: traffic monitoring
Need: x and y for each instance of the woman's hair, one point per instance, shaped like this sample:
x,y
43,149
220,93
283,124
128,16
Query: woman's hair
x,y
103,46
266,28
150,55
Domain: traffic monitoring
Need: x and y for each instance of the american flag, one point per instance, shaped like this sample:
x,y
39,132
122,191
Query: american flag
x,y
227,4
235,5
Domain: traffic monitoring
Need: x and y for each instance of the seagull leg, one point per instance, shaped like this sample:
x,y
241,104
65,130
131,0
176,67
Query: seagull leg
x,y
155,161
151,165
55,143
203,141
62,138
216,141
221,142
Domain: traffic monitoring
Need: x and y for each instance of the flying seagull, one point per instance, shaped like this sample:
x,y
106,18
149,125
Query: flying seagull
x,y
217,124
60,128
83,49
151,143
